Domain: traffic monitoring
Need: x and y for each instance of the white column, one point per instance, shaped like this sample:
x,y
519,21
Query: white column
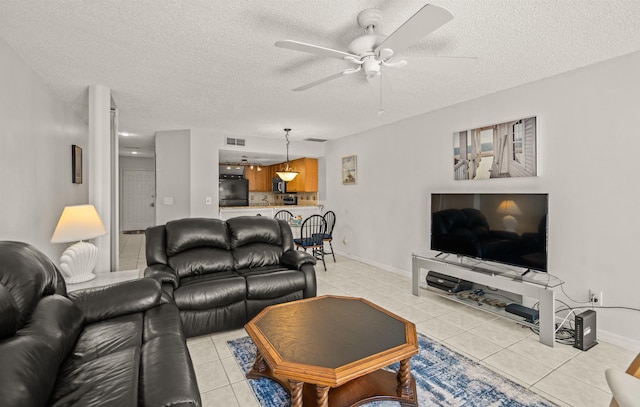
x,y
99,160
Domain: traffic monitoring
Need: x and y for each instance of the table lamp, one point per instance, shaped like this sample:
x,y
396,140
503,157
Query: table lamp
x,y
78,223
509,208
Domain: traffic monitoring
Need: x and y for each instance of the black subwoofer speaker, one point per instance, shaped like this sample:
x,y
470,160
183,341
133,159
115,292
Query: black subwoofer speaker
x,y
586,330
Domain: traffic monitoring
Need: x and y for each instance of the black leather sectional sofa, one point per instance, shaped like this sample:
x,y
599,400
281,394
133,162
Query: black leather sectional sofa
x,y
223,273
118,345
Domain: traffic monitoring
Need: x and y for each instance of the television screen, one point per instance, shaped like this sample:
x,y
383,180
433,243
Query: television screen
x,y
504,228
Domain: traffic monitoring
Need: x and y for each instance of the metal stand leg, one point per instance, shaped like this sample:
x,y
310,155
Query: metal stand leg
x,y
547,317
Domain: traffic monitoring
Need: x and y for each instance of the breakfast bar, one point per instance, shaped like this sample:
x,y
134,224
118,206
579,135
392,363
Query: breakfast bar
x,y
303,210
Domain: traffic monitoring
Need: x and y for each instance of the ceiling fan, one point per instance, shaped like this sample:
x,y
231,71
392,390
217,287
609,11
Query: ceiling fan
x,y
373,51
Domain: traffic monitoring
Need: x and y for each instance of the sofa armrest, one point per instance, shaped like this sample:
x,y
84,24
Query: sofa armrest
x,y
299,260
110,301
163,274
295,259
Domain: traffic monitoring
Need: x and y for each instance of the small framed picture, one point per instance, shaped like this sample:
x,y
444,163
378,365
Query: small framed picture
x,y
349,170
76,164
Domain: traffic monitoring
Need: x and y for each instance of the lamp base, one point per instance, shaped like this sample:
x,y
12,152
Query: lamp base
x,y
509,223
78,261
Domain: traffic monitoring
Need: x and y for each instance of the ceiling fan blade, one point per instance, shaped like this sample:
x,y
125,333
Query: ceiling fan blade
x,y
314,49
428,19
319,81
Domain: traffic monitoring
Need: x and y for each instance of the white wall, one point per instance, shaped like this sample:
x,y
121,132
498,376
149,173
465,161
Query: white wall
x,y
588,140
37,130
172,175
297,148
137,163
204,173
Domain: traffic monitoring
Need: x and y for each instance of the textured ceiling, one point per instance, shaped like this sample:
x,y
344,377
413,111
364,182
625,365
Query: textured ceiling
x,y
212,63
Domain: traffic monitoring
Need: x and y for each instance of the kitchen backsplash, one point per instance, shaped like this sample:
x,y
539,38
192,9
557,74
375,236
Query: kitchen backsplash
x,y
270,198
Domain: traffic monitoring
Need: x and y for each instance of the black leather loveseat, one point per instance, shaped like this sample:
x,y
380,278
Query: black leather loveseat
x,y
466,231
223,273
120,345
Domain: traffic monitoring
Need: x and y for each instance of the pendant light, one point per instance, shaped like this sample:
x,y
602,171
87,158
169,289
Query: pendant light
x,y
288,174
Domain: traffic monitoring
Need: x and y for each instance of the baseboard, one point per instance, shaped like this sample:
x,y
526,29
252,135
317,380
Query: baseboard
x,y
622,341
385,267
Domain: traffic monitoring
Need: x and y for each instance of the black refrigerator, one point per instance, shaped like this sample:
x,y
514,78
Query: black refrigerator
x,y
234,192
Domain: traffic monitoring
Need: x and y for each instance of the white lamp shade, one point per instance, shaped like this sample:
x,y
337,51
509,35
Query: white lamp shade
x,y
508,207
286,176
79,222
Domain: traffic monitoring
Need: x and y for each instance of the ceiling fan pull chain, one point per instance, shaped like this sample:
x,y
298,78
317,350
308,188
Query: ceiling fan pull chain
x,y
380,110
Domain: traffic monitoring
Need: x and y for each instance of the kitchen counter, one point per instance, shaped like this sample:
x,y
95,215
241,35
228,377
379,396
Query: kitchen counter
x,y
269,211
268,206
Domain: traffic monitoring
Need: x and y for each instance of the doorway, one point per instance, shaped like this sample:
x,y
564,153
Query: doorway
x,y
137,213
138,200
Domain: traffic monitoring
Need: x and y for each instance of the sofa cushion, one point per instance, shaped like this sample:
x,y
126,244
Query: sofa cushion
x,y
32,358
201,261
210,291
245,230
111,380
191,233
106,337
256,255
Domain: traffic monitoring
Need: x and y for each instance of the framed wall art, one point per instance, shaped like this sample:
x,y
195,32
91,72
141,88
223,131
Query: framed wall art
x,y
504,150
76,164
349,170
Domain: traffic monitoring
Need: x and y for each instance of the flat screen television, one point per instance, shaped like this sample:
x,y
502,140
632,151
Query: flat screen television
x,y
506,228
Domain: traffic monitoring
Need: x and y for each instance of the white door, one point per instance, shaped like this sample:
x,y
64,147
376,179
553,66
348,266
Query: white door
x,y
138,199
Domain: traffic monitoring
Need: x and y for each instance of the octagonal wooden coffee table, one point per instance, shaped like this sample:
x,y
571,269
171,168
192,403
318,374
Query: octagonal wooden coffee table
x,y
330,351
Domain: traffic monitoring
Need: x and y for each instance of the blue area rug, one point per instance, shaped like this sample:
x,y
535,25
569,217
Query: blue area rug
x,y
443,378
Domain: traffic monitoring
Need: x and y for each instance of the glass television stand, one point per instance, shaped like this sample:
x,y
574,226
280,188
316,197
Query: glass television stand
x,y
532,284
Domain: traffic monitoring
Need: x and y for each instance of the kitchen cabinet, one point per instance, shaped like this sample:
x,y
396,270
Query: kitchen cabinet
x,y
259,181
307,179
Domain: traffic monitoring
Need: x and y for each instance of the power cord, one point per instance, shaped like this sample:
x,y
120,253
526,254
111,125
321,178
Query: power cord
x,y
571,299
567,336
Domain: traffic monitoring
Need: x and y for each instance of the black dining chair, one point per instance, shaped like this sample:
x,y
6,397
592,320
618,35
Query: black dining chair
x,y
330,218
312,237
284,215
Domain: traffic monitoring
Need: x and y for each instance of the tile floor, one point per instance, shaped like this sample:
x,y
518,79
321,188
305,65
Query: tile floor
x,y
132,254
563,374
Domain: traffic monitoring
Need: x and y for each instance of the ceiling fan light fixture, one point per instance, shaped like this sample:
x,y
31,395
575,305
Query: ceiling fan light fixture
x,y
288,174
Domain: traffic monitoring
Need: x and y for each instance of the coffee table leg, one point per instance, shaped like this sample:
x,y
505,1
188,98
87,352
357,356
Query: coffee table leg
x,y
296,393
322,393
259,366
405,389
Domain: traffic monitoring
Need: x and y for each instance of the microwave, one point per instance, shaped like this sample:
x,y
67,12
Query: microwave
x,y
279,186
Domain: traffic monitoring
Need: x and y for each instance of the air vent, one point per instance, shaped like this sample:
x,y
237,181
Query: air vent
x,y
235,141
316,140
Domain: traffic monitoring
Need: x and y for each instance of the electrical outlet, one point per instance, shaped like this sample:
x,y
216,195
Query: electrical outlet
x,y
595,298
